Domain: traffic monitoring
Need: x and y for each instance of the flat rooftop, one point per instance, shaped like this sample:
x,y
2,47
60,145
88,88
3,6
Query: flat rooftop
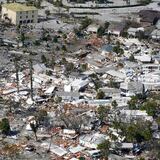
x,y
17,7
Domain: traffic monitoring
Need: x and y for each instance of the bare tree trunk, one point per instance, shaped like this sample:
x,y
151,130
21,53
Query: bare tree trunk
x,y
36,136
50,143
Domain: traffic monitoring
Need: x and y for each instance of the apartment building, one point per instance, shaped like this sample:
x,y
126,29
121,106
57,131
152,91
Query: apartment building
x,y
19,13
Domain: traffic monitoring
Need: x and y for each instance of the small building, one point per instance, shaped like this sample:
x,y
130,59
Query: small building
x,y
132,31
131,88
68,95
116,28
19,14
155,34
93,28
131,115
144,58
158,24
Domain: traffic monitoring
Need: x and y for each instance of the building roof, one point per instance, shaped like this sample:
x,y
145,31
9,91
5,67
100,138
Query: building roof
x,y
156,33
18,7
132,86
117,26
93,28
67,94
117,74
158,24
107,48
149,15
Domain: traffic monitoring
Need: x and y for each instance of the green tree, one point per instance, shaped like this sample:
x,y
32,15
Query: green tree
x,y
38,3
100,95
5,126
85,23
100,31
106,25
133,103
64,48
113,84
117,49
104,148
139,132
83,67
43,59
151,107
114,104
81,158
69,67
0,6
57,99
144,1
158,121
41,115
102,112
47,12
49,73
131,58
22,37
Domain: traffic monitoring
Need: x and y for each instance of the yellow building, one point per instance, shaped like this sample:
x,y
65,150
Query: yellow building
x,y
19,14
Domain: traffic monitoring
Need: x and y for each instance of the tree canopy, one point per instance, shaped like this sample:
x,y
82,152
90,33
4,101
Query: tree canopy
x,y
5,126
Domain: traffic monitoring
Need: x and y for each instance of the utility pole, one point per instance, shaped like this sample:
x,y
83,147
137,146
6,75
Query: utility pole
x,y
31,75
17,69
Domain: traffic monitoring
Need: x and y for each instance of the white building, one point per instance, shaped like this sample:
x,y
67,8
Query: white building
x,y
17,13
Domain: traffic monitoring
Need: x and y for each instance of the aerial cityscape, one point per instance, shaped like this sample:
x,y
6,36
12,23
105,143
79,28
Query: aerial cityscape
x,y
80,80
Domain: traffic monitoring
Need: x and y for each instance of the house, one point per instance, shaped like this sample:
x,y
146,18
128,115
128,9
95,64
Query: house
x,y
68,95
107,49
105,68
111,92
92,64
150,67
92,140
49,91
39,68
149,16
143,58
55,149
19,14
151,81
131,115
156,59
76,149
116,28
131,88
79,84
125,146
116,74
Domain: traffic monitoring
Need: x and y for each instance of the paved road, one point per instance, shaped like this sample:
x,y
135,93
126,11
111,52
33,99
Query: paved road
x,y
116,14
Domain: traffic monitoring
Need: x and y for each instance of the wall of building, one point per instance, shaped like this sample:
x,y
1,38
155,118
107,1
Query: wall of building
x,y
10,14
27,17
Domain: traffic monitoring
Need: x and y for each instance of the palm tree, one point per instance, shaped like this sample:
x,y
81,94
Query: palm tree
x,y
34,127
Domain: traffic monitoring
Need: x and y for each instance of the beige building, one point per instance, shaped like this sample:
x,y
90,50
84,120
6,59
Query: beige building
x,y
19,14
